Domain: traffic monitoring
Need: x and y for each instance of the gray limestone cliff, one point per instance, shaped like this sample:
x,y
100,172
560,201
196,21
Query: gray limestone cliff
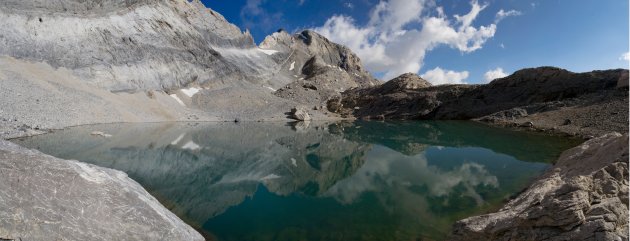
x,y
159,45
123,45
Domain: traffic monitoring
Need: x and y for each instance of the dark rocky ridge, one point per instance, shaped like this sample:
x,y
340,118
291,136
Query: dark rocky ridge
x,y
532,90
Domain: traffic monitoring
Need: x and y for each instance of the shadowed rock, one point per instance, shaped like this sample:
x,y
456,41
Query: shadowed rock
x,y
534,90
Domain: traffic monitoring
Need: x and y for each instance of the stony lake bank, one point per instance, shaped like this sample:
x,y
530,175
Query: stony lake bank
x,y
176,60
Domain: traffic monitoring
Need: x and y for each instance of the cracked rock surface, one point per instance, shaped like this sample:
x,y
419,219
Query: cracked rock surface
x,y
70,200
584,197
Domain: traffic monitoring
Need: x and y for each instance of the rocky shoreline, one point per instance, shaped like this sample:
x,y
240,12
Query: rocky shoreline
x,y
584,196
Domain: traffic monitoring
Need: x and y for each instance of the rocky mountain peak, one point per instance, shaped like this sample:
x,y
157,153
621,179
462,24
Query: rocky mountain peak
x,y
279,38
332,53
531,74
408,81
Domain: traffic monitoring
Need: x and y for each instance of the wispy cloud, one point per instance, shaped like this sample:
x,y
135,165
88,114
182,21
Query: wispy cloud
x,y
494,74
504,14
400,33
439,76
625,56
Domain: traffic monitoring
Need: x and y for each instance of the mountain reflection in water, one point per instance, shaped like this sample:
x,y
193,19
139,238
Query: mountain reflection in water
x,y
317,181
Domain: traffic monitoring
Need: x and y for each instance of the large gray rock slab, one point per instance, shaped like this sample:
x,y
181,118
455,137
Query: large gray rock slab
x,y
584,197
45,198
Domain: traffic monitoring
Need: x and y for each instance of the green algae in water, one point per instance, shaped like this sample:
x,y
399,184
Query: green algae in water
x,y
317,181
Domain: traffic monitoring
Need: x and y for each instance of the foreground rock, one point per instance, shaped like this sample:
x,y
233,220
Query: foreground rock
x,y
585,197
70,200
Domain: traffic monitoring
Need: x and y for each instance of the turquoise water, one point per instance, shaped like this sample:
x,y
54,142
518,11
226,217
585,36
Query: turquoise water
x,y
317,181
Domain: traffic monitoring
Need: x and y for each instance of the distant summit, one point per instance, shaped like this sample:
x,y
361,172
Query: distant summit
x,y
408,81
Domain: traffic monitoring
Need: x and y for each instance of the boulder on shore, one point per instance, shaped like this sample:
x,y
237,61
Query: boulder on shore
x,y
300,113
46,198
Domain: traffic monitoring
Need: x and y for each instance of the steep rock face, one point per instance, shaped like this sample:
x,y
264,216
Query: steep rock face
x,y
70,200
124,45
585,197
307,44
322,69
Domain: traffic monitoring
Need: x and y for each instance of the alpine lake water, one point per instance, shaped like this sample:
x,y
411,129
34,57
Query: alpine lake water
x,y
317,181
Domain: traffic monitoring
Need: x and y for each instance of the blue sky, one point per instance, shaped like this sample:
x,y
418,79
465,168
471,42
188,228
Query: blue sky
x,y
486,39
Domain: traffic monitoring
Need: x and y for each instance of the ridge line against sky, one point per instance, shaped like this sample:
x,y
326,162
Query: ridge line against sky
x,y
452,41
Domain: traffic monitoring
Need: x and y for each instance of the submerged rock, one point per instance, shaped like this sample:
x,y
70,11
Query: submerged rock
x,y
585,197
45,198
101,134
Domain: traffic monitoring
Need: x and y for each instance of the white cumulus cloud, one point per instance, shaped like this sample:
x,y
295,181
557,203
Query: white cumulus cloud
x,y
625,56
399,33
439,76
494,74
